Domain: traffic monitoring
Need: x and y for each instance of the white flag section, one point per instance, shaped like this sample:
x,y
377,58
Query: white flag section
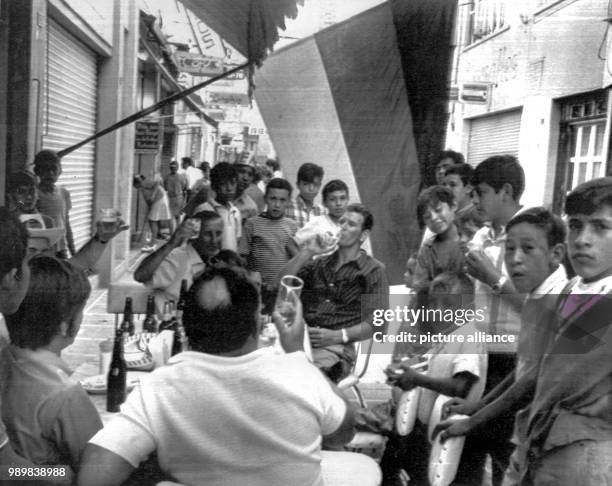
x,y
338,99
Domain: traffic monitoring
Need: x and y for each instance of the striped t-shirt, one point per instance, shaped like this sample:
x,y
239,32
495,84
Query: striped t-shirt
x,y
265,243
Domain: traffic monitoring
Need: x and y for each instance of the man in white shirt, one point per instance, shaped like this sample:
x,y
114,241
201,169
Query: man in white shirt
x,y
227,413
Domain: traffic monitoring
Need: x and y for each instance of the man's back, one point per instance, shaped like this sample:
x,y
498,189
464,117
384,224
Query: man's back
x,y
252,419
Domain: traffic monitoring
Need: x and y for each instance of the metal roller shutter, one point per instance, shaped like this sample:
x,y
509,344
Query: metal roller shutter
x,y
494,135
69,117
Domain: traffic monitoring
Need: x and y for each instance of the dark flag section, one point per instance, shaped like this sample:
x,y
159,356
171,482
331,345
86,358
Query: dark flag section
x,y
340,98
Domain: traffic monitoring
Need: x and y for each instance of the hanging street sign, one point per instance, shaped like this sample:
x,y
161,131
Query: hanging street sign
x,y
198,64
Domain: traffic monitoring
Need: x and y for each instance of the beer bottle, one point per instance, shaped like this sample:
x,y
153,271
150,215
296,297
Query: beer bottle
x,y
117,376
166,324
150,323
127,326
180,338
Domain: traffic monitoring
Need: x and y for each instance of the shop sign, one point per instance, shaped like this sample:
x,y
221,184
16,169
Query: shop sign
x,y
146,140
198,64
227,98
476,93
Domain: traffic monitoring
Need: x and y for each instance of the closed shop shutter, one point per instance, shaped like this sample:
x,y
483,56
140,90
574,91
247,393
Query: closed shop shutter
x,y
69,117
494,135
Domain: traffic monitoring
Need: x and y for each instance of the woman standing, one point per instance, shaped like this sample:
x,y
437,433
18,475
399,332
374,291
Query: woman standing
x,y
158,207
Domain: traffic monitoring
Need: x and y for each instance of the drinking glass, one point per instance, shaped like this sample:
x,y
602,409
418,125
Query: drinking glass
x,y
109,217
287,298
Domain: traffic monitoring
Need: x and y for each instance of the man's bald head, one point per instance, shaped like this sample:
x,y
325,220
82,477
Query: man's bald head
x,y
221,311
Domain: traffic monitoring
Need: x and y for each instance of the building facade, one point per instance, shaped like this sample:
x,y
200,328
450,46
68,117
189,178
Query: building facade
x,y
532,81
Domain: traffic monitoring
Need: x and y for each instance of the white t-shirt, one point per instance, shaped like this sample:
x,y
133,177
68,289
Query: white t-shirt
x,y
255,419
450,359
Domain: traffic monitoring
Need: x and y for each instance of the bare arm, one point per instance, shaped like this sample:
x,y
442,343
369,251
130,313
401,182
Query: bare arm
x,y
87,257
147,268
101,467
407,378
345,433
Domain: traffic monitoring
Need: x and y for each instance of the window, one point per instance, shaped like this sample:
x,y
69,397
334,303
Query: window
x,y
585,152
488,16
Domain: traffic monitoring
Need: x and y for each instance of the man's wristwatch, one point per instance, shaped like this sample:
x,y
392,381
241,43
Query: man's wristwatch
x,y
497,286
345,338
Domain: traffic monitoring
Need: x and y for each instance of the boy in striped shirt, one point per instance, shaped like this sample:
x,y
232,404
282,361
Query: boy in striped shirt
x,y
267,242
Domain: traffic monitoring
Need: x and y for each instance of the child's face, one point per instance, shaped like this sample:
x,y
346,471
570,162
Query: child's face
x,y
439,218
460,191
48,173
487,201
276,200
336,203
467,229
25,197
309,190
441,168
529,258
590,244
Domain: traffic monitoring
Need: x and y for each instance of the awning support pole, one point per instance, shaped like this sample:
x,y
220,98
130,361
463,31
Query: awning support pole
x,y
151,109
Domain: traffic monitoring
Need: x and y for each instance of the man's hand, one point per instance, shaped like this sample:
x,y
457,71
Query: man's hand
x,y
291,337
403,376
480,267
320,337
183,233
451,428
460,406
107,231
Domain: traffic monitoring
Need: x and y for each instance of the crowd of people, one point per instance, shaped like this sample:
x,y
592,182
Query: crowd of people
x,y
536,386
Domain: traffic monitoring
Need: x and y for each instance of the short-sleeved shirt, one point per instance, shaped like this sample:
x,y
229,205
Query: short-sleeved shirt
x,y
265,243
435,257
254,419
232,222
501,317
299,211
450,359
181,263
193,175
56,205
333,298
48,416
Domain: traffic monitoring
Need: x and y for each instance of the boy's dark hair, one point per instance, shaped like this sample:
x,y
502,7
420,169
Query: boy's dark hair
x,y
368,219
541,217
222,326
222,173
332,186
308,172
21,178
273,164
464,171
431,197
457,157
13,242
279,183
472,215
187,161
46,157
589,197
499,170
57,291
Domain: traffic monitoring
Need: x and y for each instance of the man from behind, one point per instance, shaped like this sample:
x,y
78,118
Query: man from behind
x,y
226,413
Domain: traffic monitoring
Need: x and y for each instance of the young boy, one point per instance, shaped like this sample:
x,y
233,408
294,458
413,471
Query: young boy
x,y
53,200
458,178
268,243
23,197
455,368
436,209
49,418
570,419
301,209
535,247
468,223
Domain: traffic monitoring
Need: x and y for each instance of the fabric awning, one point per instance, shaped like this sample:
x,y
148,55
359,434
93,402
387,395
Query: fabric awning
x,y
250,26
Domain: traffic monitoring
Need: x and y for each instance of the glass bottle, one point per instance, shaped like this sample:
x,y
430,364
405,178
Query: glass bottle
x,y
127,326
150,322
117,376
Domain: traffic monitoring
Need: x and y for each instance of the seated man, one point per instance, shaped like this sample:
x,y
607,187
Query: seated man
x,y
183,256
48,416
333,290
227,413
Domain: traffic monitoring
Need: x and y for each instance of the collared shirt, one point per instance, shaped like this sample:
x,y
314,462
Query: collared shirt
x,y
232,222
301,213
48,416
183,262
246,206
501,317
333,298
